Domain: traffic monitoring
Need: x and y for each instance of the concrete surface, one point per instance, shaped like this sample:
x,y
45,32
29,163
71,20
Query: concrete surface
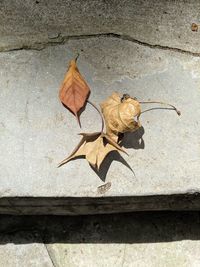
x,y
38,23
138,239
21,255
36,132
145,48
36,129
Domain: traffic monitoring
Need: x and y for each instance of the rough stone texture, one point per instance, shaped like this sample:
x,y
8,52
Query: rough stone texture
x,y
138,47
36,23
145,48
185,253
26,252
137,239
37,132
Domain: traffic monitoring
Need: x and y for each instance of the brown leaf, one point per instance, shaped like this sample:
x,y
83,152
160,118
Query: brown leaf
x,y
94,147
194,27
102,189
119,113
74,90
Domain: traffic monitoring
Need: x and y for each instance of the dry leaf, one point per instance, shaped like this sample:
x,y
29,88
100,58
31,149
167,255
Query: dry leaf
x,y
194,27
102,189
74,90
94,147
119,114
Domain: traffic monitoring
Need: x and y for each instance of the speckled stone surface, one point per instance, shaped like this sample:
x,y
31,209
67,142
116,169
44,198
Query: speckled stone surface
x,y
38,23
37,132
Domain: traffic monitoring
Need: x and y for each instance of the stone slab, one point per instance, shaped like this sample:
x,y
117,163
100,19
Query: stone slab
x,y
37,132
29,250
163,23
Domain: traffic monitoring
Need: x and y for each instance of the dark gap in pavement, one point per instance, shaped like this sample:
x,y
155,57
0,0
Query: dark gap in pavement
x,y
136,227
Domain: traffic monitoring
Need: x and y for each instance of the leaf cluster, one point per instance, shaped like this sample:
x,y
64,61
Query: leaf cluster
x,y
120,113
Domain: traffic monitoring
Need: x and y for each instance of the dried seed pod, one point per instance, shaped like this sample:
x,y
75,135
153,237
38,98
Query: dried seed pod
x,y
120,113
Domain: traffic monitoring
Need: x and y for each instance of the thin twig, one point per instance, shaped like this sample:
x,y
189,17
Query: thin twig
x,y
163,103
102,120
149,109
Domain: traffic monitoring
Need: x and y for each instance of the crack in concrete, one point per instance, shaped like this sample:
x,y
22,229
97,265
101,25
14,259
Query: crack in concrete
x,y
64,39
30,229
49,254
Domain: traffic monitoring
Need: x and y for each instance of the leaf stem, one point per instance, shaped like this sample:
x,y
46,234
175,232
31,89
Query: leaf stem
x,y
102,120
163,103
77,57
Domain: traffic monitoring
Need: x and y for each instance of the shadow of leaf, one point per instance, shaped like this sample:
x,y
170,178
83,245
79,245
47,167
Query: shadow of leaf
x,y
113,155
134,139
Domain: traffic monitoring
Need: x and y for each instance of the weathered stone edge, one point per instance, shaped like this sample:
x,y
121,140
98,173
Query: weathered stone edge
x,y
97,205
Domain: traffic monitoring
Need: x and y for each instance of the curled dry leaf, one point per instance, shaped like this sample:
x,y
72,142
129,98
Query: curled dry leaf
x,y
74,90
94,147
119,113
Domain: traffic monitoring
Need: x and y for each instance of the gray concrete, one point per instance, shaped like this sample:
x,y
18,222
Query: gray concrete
x,y
37,23
29,251
37,132
145,49
137,239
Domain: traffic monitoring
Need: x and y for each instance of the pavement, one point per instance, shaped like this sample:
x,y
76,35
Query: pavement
x,y
37,132
147,49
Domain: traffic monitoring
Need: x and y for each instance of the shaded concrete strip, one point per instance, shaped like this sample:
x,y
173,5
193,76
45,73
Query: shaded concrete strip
x,y
90,205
